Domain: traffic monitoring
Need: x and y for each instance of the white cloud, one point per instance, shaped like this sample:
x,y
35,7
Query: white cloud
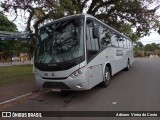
x,y
153,37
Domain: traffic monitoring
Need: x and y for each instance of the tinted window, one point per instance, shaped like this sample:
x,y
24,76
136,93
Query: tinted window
x,y
128,46
125,42
60,42
105,36
120,41
114,40
92,43
131,44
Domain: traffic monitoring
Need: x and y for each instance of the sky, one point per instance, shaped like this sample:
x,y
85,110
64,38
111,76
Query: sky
x,y
153,37
21,24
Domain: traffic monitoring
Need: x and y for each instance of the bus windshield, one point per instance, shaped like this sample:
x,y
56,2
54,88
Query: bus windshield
x,y
59,42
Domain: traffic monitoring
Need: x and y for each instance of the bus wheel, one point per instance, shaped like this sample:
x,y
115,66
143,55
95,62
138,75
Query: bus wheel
x,y
107,77
128,66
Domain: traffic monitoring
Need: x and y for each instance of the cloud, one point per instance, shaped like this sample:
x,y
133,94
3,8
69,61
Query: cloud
x,y
153,37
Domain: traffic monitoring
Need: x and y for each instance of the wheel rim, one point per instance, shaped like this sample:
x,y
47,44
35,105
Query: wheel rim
x,y
107,77
128,65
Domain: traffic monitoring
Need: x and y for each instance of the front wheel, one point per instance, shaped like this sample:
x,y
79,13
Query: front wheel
x,y
107,77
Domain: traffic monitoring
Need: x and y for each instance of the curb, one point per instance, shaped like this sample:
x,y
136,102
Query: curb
x,y
16,98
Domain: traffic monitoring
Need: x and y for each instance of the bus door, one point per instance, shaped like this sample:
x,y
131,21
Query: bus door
x,y
117,52
93,48
120,53
125,53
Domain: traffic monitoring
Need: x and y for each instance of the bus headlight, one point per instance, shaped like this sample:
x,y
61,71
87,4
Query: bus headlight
x,y
77,73
36,74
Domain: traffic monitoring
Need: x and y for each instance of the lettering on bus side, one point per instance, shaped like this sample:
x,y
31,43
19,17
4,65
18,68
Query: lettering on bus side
x,y
119,53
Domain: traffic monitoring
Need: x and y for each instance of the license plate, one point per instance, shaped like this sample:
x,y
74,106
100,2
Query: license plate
x,y
56,90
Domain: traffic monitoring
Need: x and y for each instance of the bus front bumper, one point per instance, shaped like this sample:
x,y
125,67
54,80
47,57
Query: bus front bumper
x,y
76,84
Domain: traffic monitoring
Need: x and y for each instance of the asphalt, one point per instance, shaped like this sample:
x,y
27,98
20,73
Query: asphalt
x,y
134,90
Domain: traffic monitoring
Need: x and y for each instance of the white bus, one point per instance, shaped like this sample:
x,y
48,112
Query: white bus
x,y
79,52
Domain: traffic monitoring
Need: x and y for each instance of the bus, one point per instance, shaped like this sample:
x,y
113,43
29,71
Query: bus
x,y
79,52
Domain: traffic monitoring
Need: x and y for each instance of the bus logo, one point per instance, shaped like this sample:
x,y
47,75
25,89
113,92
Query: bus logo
x,y
45,74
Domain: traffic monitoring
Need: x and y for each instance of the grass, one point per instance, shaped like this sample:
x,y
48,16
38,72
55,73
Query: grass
x,y
15,74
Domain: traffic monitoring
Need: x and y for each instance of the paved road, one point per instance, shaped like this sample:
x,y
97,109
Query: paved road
x,y
134,90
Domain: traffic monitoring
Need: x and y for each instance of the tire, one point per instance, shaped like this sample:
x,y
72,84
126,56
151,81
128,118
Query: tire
x,y
106,77
128,66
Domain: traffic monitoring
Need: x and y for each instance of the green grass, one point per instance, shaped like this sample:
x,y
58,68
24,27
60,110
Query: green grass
x,y
15,74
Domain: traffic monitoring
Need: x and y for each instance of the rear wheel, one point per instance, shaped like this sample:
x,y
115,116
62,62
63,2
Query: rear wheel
x,y
128,66
107,77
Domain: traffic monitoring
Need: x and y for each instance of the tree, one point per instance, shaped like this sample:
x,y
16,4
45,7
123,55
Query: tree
x,y
136,52
20,47
38,10
147,47
158,30
139,44
151,47
6,25
154,46
120,14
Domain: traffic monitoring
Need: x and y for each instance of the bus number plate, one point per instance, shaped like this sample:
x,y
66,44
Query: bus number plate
x,y
56,90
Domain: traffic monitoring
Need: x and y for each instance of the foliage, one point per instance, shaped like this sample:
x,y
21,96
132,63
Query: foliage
x,y
151,47
139,44
127,30
39,10
10,47
158,30
136,52
6,25
140,49
20,47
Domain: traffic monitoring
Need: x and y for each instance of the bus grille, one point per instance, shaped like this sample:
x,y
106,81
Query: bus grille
x,y
59,85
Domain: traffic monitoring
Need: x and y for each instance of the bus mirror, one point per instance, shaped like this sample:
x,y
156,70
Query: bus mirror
x,y
96,31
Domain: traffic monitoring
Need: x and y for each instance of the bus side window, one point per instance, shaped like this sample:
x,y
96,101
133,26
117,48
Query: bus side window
x,y
132,45
128,46
92,43
125,42
120,41
105,36
114,41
